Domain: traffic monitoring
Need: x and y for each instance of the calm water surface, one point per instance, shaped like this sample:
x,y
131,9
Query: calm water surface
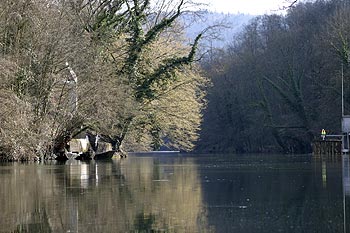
x,y
164,193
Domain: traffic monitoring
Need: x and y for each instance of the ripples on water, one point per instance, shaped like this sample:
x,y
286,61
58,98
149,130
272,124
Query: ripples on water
x,y
172,193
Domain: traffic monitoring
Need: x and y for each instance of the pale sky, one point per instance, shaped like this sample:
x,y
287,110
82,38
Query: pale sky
x,y
256,7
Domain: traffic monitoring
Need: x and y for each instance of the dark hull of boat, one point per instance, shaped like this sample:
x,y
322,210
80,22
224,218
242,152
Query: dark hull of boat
x,y
84,156
66,156
104,155
72,156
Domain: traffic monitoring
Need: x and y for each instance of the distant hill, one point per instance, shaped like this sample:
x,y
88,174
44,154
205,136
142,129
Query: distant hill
x,y
231,25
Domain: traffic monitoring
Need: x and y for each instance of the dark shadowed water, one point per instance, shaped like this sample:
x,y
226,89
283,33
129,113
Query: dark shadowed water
x,y
171,193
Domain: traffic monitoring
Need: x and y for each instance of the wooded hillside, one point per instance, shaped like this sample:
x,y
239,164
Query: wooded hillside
x,y
279,82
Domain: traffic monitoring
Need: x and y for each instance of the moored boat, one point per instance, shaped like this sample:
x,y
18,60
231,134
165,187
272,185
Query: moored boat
x,y
104,155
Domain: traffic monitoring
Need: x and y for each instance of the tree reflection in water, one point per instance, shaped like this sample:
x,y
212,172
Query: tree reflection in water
x,y
273,193
241,194
132,195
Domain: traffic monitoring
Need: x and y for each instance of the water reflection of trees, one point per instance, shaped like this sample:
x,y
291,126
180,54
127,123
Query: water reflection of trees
x,y
274,196
171,192
117,196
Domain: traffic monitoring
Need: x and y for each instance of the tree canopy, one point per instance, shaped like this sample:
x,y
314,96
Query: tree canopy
x,y
121,69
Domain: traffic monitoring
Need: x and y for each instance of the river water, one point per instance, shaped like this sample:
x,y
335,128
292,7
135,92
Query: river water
x,y
177,193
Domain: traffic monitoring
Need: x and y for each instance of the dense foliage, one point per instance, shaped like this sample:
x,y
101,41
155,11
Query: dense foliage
x,y
118,68
279,82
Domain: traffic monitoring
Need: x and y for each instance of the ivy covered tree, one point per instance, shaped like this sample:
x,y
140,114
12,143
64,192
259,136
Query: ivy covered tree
x,y
105,66
148,56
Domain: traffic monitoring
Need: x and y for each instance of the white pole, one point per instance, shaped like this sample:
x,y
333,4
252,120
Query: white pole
x,y
74,90
342,89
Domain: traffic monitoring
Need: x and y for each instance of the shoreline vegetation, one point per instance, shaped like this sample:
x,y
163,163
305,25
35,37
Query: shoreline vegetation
x,y
124,71
120,69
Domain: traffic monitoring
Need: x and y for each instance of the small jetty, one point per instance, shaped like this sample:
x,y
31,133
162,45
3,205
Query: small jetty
x,y
330,148
333,145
